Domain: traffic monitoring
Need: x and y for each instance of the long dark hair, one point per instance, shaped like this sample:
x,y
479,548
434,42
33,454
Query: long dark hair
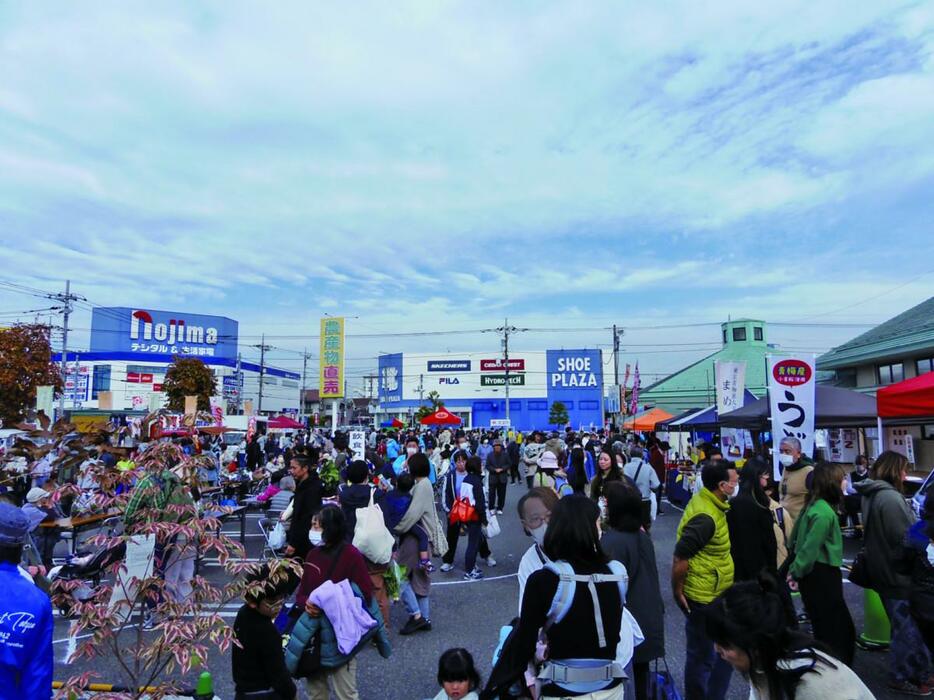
x,y
577,474
572,533
613,474
753,617
749,484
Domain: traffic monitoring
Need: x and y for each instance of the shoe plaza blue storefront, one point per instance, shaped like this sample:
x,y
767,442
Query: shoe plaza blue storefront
x,y
473,386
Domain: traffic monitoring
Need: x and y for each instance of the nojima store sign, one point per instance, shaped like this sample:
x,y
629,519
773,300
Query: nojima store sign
x,y
150,332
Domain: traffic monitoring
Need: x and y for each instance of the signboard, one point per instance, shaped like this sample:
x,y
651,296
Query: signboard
x,y
331,379
731,385
500,380
516,364
233,386
357,443
449,365
500,423
390,377
147,332
574,371
44,399
792,382
843,445
77,383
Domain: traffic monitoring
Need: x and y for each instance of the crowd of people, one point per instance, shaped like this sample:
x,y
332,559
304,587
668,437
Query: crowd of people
x,y
591,612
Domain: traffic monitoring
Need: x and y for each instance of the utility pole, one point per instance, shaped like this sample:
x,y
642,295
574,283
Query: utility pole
x,y
421,387
506,329
67,308
301,400
262,371
617,332
239,377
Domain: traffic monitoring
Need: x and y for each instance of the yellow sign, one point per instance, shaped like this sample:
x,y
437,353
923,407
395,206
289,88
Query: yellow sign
x,y
331,374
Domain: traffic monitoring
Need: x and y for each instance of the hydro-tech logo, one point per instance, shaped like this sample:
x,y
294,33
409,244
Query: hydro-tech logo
x,y
390,379
175,331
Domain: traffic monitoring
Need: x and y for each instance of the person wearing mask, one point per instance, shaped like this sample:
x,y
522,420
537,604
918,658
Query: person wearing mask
x,y
531,452
452,490
257,661
305,504
580,610
886,520
701,570
753,545
400,464
816,557
626,542
25,649
484,450
751,626
535,507
796,473
332,558
643,476
497,467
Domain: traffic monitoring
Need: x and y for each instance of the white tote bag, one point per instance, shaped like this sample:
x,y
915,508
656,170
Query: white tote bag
x,y
140,550
371,536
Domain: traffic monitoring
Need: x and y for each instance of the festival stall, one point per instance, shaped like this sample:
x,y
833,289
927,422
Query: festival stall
x,y
441,417
645,422
284,423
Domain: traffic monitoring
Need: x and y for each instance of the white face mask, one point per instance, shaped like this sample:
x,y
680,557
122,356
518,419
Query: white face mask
x,y
786,460
538,534
314,536
930,552
411,451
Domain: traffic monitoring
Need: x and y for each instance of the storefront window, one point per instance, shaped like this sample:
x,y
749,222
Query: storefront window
x,y
100,380
924,366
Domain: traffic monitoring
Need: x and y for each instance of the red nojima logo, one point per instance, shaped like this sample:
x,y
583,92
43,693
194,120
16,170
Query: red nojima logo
x,y
792,372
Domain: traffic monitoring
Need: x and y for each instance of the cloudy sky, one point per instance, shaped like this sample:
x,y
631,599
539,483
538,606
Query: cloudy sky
x,y
429,166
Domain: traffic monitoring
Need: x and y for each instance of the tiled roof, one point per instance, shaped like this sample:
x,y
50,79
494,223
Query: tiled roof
x,y
908,333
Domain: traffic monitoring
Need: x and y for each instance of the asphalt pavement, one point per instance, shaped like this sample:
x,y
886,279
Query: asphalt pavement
x,y
469,614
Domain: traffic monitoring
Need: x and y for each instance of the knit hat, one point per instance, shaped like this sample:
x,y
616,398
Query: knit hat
x,y
548,460
36,494
13,525
497,441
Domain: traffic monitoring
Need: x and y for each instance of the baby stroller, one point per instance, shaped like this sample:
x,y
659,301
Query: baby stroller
x,y
88,567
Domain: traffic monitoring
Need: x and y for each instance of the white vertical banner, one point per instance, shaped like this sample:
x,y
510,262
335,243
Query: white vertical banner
x,y
792,382
357,443
731,383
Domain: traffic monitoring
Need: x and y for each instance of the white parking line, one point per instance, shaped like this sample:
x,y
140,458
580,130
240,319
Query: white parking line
x,y
486,578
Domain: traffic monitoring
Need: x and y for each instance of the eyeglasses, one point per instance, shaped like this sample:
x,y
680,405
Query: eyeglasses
x,y
534,521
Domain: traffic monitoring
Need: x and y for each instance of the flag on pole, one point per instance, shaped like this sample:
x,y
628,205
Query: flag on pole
x,y
622,392
636,383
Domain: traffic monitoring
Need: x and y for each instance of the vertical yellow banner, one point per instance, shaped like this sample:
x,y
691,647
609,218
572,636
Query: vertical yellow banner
x,y
331,374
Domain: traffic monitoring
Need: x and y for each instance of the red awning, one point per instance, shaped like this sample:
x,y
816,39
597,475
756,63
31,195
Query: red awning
x,y
912,398
441,417
284,423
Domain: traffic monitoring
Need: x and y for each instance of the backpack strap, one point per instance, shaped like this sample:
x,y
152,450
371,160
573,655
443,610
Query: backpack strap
x,y
567,585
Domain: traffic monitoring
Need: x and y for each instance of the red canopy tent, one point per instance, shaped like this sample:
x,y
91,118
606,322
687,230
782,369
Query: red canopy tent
x,y
284,423
441,417
912,398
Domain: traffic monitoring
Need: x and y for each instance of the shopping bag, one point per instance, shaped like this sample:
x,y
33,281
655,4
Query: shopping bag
x,y
462,512
277,537
492,527
371,536
662,683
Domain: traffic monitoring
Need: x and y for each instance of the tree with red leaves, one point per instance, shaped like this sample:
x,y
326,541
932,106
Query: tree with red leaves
x,y
25,364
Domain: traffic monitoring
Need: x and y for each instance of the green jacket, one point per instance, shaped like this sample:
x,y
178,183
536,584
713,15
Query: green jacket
x,y
151,496
710,571
816,538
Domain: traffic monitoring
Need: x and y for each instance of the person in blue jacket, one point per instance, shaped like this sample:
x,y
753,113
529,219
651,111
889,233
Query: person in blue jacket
x,y
25,617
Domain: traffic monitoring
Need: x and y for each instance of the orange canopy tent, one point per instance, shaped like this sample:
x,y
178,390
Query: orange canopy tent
x,y
647,420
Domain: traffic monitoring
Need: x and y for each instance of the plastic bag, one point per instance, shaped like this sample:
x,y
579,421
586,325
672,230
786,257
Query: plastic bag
x,y
371,536
277,537
492,528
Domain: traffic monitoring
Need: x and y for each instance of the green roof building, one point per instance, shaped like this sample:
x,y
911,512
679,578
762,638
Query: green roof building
x,y
900,348
693,387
